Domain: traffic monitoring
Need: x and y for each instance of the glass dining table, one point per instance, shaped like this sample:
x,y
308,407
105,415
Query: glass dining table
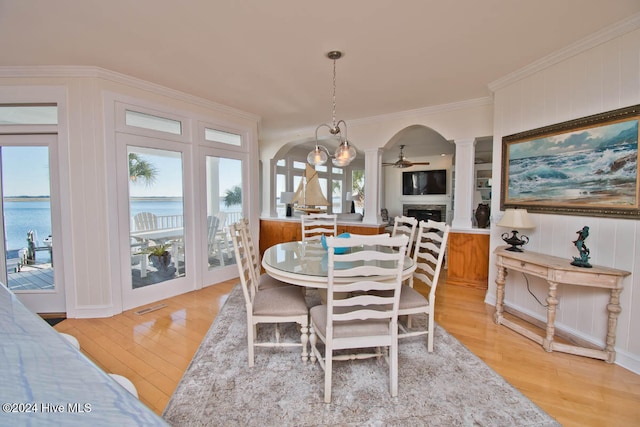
x,y
305,264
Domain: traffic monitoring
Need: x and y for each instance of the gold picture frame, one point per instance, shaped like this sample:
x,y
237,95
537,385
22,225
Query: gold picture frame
x,y
587,166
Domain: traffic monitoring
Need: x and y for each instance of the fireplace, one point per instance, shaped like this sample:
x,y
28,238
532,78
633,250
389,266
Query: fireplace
x,y
436,213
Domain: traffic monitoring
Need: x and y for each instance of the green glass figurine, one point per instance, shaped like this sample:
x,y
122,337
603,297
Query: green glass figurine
x,y
583,260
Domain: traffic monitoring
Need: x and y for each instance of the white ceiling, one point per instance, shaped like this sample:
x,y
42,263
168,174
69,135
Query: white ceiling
x,y
268,57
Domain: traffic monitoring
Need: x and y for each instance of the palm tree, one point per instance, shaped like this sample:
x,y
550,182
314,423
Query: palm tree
x,y
233,196
139,168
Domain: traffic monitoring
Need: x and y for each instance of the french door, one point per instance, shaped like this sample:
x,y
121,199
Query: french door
x,y
30,226
225,197
156,246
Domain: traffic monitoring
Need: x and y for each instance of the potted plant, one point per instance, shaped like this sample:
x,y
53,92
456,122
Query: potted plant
x,y
160,258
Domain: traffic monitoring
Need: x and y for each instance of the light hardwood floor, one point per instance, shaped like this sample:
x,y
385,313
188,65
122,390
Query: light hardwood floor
x,y
154,350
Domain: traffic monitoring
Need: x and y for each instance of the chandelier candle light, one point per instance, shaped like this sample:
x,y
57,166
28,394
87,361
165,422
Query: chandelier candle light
x,y
345,153
513,219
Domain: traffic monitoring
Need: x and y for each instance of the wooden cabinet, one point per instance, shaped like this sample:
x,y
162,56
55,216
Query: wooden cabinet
x,y
468,260
273,231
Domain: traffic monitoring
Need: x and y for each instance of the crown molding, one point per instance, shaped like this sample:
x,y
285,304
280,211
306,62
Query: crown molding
x,y
607,34
425,111
70,71
307,132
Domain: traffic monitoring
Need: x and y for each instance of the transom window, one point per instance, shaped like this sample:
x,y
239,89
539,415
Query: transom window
x,y
25,114
148,121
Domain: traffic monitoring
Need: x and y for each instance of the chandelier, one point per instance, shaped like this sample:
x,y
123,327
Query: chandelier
x,y
345,153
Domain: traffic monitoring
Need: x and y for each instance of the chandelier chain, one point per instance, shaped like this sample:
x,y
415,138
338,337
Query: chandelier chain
x,y
334,94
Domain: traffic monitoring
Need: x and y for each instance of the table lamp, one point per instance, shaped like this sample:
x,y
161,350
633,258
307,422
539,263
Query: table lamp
x,y
286,197
514,219
349,198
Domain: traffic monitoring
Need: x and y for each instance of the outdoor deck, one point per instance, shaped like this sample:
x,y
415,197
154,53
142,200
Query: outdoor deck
x,y
30,278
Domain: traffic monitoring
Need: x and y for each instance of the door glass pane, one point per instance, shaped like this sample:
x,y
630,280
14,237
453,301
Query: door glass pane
x,y
27,218
224,207
156,207
336,196
281,186
357,190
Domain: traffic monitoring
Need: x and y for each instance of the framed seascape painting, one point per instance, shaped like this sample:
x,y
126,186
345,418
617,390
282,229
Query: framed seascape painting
x,y
587,166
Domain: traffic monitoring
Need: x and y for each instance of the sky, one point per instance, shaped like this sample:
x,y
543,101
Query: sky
x,y
25,172
168,181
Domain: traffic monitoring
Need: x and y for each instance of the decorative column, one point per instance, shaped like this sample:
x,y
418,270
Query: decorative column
x,y
372,185
463,196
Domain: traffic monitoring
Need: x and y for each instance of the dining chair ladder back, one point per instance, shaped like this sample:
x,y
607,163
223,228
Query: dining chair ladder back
x,y
315,225
355,318
428,256
405,225
268,306
263,281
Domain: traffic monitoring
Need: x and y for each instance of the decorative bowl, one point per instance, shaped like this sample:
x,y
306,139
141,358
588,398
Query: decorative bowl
x,y
336,250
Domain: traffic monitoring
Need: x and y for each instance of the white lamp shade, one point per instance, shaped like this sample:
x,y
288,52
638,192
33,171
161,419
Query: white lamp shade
x,y
286,197
349,196
516,219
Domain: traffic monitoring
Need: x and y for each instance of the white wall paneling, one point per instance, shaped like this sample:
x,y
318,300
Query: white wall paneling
x,y
601,78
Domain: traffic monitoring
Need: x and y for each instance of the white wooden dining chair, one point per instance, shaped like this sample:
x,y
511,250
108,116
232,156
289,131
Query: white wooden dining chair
x,y
361,320
428,256
405,225
264,281
315,225
268,306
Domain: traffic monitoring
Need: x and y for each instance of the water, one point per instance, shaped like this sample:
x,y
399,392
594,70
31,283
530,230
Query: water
x,y
22,216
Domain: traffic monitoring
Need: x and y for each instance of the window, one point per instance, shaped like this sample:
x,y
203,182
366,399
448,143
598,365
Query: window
x,y
28,114
223,137
148,121
333,182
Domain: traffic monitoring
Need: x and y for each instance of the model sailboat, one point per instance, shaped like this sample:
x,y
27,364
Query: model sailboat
x,y
309,195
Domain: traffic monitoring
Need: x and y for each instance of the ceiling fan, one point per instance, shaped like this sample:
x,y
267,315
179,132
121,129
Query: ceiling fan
x,y
402,162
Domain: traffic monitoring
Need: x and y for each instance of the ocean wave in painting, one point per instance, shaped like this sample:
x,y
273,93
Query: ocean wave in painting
x,y
602,176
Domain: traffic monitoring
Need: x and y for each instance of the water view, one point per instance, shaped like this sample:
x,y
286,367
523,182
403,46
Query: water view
x,y
25,214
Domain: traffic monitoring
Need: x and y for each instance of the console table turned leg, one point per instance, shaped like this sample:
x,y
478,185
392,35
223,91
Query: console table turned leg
x,y
614,311
552,302
500,281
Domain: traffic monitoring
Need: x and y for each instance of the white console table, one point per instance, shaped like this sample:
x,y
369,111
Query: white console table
x,y
559,271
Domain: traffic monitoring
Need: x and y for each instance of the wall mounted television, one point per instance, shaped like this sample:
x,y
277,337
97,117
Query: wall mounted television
x,y
424,182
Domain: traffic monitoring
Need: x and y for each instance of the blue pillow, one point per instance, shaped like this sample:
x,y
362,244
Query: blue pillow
x,y
336,250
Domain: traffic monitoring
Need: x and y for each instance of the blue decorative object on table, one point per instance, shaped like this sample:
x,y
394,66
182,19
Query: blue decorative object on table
x,y
583,260
323,239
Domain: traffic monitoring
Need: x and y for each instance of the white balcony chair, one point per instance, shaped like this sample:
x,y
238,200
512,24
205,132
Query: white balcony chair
x,y
214,243
315,225
274,305
363,319
405,225
428,255
145,221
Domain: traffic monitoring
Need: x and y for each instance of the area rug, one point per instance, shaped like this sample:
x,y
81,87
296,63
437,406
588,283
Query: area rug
x,y
449,387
